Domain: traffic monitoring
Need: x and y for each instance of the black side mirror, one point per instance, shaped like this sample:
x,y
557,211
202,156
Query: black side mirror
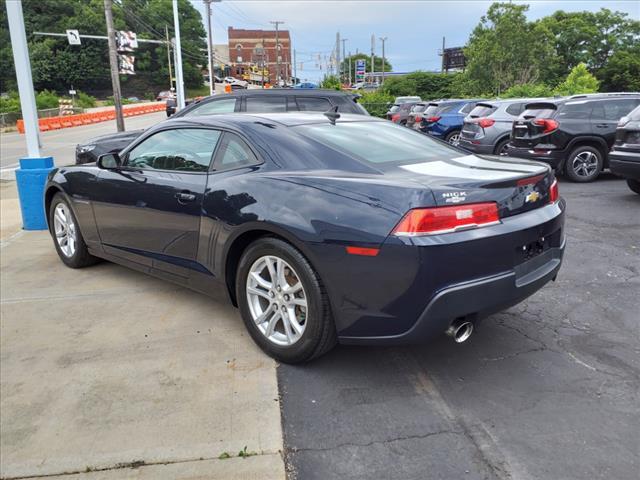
x,y
109,161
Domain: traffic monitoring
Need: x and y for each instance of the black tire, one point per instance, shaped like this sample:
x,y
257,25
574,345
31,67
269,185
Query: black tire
x,y
634,185
81,257
572,167
319,335
452,136
502,145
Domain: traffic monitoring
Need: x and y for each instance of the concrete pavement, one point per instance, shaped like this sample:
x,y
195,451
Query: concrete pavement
x,y
107,373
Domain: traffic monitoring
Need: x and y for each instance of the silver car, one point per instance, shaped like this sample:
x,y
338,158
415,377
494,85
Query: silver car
x,y
487,128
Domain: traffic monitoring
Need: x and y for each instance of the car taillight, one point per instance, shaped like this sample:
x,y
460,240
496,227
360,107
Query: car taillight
x,y
395,118
418,118
548,124
486,122
554,192
433,119
436,220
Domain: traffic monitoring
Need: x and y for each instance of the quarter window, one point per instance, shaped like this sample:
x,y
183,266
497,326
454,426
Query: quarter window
x,y
514,109
576,111
226,105
180,149
311,104
266,104
233,153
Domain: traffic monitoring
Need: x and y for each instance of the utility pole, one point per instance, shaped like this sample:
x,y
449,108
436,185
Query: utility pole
x,y
295,68
207,4
178,52
264,52
350,69
442,68
383,39
166,33
344,58
277,23
338,63
113,63
373,52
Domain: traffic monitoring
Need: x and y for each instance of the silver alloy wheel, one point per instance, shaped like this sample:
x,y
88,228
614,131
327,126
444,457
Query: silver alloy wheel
x,y
454,139
65,230
585,164
277,300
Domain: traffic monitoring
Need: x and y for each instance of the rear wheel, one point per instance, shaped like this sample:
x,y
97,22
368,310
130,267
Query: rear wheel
x,y
283,302
634,185
584,164
453,138
67,237
501,147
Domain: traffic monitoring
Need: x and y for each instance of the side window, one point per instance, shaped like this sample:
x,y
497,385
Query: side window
x,y
266,104
467,108
313,104
233,153
616,109
514,109
576,110
226,105
180,149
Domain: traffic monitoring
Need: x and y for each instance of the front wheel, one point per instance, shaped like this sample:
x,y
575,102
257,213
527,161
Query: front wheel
x,y
67,237
634,185
283,302
584,164
453,138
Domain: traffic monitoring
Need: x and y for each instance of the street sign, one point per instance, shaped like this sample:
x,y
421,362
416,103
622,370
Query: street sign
x,y
126,41
453,58
360,69
72,92
74,37
125,64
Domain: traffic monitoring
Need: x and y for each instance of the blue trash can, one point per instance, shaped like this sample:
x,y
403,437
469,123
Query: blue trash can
x,y
31,178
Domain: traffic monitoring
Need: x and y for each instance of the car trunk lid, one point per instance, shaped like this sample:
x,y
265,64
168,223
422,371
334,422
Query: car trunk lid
x,y
535,121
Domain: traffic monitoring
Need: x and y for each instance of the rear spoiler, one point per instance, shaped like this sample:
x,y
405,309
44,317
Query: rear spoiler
x,y
541,106
485,104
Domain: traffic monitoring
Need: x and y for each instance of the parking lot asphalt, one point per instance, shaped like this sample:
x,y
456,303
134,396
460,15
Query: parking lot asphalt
x,y
548,389
106,373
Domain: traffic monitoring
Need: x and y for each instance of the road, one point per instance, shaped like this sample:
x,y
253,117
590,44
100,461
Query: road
x,y
60,144
546,390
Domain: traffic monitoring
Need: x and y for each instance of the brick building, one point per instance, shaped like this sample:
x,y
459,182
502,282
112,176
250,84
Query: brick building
x,y
257,47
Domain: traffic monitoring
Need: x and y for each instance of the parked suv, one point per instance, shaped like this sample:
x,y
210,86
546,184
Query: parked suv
x,y
446,119
416,113
399,113
572,134
252,101
624,159
487,128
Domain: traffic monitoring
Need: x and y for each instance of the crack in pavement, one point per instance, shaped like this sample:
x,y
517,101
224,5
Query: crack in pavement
x,y
373,442
135,464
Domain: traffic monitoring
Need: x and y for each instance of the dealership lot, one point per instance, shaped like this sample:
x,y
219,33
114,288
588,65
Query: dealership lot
x,y
547,389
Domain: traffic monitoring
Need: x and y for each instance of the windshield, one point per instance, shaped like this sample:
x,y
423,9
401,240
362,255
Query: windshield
x,y
379,142
394,109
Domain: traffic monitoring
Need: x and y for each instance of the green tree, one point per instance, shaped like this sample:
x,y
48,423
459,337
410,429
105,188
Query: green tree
x,y
367,64
505,49
528,90
331,82
427,85
622,71
376,103
578,81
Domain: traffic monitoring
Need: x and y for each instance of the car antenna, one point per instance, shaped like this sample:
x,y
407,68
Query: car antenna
x,y
332,114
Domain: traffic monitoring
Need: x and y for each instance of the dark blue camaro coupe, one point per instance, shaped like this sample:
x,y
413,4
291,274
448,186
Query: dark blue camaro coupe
x,y
320,228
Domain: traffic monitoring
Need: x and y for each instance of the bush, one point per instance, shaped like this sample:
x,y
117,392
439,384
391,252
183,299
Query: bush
x,y
110,102
528,90
10,103
578,81
331,82
84,100
46,99
376,103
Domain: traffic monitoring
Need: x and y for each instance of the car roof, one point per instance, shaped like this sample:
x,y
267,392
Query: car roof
x,y
286,119
591,97
278,92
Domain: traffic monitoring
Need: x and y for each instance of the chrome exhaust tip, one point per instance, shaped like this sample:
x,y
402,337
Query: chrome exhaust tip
x,y
460,330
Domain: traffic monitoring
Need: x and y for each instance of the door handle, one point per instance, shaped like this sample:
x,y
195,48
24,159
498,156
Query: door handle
x,y
185,196
602,125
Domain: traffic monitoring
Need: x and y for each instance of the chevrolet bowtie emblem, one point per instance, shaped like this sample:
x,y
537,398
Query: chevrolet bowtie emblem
x,y
532,197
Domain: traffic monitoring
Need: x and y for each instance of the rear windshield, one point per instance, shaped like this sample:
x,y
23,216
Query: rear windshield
x,y
394,108
431,110
534,111
418,108
379,142
482,110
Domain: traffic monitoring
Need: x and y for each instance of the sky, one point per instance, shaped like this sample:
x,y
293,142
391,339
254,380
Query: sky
x,y
414,29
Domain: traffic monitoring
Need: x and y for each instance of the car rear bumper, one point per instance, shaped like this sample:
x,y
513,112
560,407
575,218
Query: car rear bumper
x,y
476,147
625,164
555,158
495,275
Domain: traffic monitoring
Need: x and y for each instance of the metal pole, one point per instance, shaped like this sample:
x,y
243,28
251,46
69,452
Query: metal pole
x,y
178,50
383,39
442,68
373,61
23,74
276,23
295,68
344,58
350,83
210,47
113,63
166,32
338,67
